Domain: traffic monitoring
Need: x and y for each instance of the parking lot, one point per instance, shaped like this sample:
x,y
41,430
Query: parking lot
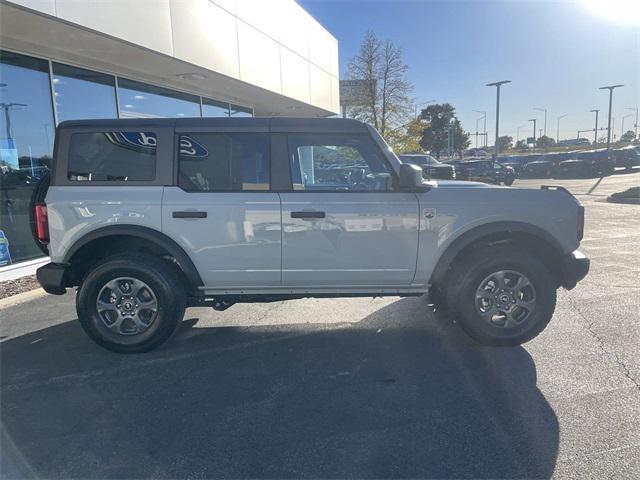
x,y
381,388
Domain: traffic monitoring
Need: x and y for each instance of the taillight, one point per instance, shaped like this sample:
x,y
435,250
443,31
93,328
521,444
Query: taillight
x,y
580,222
42,223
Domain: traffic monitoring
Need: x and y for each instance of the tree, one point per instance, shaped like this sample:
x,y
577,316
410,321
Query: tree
x,y
435,135
545,142
387,102
505,142
628,136
521,145
406,139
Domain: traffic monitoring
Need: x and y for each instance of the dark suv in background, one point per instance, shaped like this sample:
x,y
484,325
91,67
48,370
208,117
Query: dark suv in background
x,y
486,171
431,168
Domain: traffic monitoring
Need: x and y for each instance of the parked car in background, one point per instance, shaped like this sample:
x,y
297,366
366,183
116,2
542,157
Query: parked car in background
x,y
431,168
586,164
486,171
543,166
627,157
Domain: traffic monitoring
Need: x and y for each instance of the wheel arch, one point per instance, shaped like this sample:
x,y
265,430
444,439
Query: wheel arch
x,y
139,237
540,242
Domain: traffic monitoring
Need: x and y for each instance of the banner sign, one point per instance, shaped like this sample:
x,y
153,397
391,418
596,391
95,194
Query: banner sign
x,y
354,92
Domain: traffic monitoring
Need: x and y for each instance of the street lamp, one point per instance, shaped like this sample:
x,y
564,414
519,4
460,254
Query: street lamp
x,y
558,127
498,85
545,118
7,107
610,88
484,125
622,132
415,107
595,130
518,133
534,120
635,125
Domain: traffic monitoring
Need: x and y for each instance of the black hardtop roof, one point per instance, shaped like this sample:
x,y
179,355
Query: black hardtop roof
x,y
273,123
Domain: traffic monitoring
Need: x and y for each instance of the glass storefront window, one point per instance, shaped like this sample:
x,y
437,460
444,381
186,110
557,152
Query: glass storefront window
x,y
138,100
212,108
238,111
26,143
82,94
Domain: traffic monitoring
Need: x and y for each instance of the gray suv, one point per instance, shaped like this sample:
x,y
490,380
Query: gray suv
x,y
147,217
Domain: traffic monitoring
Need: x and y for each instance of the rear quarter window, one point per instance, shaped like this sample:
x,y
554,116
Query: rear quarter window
x,y
119,156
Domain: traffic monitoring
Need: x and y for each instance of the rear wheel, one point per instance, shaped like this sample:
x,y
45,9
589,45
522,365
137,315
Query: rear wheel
x,y
502,296
130,304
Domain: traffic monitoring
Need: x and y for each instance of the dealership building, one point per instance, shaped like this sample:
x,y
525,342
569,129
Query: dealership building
x,y
77,59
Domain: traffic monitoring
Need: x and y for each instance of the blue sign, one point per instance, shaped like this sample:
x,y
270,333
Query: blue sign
x,y
147,142
190,148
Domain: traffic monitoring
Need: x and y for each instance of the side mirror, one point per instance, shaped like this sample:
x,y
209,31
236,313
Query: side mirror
x,y
411,177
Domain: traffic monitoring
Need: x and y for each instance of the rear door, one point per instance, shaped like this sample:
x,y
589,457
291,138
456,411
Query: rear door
x,y
222,211
345,224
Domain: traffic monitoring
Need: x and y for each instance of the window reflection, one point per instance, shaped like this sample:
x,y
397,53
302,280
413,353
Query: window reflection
x,y
26,141
238,111
138,100
82,94
212,108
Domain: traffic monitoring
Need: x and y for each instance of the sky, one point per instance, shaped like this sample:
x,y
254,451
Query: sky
x,y
556,53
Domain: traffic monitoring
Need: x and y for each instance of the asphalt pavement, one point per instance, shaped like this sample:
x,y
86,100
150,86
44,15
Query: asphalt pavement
x,y
382,388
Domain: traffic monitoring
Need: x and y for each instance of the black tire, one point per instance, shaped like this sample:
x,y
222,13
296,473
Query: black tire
x,y
470,274
166,290
509,181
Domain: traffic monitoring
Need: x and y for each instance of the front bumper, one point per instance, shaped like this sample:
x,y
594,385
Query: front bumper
x,y
575,267
52,278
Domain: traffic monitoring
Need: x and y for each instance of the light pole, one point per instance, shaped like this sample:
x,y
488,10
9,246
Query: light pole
x,y
635,125
518,133
7,107
595,130
484,126
622,132
498,85
610,88
545,118
534,120
415,107
558,127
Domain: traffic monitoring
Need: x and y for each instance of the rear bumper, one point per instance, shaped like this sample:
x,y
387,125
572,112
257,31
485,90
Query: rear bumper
x,y
52,278
575,267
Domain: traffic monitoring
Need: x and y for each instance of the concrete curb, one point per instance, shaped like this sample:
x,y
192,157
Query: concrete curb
x,y
21,298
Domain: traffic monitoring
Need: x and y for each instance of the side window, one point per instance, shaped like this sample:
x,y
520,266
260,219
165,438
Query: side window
x,y
223,162
112,156
338,163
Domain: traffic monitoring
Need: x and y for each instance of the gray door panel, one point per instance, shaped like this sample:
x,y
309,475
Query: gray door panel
x,y
349,239
237,244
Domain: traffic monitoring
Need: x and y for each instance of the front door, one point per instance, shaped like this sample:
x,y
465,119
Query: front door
x,y
344,224
222,212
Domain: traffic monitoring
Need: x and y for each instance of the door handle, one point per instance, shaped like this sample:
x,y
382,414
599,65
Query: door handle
x,y
308,214
189,214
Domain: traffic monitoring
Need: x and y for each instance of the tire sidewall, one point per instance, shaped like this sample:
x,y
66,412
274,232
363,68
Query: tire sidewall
x,y
170,305
478,328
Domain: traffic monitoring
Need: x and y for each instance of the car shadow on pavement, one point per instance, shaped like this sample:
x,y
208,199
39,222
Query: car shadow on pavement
x,y
400,394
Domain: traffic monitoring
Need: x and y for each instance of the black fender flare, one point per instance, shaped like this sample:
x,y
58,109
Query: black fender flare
x,y
145,233
476,233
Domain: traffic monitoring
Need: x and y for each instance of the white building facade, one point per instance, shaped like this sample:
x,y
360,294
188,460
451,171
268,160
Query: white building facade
x,y
72,59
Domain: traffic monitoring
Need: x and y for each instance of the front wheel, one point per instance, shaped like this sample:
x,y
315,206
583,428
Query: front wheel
x,y
130,304
502,296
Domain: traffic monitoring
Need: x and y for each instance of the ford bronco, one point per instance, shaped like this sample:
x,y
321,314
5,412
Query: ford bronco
x,y
146,217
